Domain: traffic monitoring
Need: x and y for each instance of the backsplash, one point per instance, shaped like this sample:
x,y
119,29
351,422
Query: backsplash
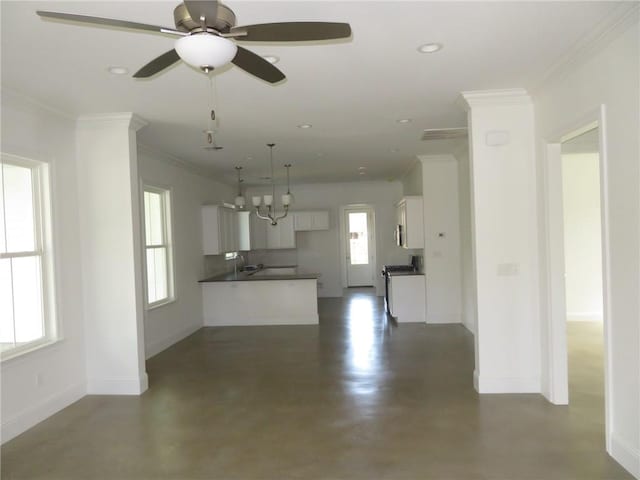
x,y
274,257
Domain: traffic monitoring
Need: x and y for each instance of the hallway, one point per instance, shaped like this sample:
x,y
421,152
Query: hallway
x,y
355,397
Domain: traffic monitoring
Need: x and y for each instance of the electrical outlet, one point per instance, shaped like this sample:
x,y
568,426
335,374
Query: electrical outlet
x,y
39,380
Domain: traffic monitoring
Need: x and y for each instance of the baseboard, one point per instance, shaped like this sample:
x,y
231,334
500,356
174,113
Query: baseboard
x,y
484,384
118,385
242,322
470,328
155,348
625,455
35,414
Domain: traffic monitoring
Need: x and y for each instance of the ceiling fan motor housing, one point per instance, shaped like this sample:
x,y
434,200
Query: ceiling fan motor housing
x,y
223,23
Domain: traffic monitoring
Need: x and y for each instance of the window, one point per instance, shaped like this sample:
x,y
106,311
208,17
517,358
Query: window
x,y
231,256
27,318
157,229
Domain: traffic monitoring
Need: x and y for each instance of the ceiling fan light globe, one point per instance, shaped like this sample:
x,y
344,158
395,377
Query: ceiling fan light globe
x,y
239,201
205,50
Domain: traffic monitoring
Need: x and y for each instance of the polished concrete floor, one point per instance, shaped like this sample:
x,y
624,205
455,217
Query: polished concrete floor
x,y
355,398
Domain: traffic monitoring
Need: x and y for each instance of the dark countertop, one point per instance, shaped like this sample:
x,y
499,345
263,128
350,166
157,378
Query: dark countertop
x,y
289,272
404,274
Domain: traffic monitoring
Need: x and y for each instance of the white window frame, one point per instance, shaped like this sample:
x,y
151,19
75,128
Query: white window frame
x,y
43,229
167,228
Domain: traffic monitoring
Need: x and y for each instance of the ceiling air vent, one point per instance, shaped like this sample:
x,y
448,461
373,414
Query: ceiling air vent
x,y
444,133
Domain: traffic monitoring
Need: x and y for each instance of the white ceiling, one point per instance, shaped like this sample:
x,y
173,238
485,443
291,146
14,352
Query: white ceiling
x,y
352,92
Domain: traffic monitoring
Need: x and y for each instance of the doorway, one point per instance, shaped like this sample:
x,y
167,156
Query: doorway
x,y
582,229
358,234
578,352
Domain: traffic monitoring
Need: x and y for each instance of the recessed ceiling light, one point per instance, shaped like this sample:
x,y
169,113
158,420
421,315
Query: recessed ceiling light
x,y
404,120
362,168
395,150
271,58
305,125
117,70
362,172
430,47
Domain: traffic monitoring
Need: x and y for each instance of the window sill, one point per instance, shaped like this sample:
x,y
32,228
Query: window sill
x,y
159,304
23,350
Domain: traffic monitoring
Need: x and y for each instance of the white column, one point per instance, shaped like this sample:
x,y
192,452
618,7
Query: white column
x,y
504,240
111,253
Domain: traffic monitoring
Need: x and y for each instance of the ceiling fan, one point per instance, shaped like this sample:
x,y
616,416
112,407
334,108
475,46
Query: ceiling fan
x,y
206,29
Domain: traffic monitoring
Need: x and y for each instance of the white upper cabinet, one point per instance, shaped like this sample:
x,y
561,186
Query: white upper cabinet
x,y
410,218
307,221
281,235
219,230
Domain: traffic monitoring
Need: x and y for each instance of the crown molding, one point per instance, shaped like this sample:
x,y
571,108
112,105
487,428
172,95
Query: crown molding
x,y
625,15
15,94
128,120
492,98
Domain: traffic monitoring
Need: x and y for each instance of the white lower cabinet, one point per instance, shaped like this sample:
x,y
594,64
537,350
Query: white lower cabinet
x,y
219,230
256,302
407,298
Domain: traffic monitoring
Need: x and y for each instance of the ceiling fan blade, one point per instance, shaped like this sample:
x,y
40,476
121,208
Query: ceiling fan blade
x,y
256,65
199,9
154,66
291,31
109,22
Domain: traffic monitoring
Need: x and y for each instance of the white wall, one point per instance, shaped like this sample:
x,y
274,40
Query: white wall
x,y
504,233
110,240
609,75
169,323
319,251
412,180
34,131
442,238
582,245
468,275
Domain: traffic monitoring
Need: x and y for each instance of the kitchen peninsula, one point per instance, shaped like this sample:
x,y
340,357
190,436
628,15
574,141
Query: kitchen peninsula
x,y
267,296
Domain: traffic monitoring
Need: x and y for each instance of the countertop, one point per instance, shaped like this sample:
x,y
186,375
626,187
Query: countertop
x,y
404,274
288,272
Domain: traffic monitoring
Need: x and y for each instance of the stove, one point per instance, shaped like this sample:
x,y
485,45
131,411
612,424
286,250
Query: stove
x,y
387,269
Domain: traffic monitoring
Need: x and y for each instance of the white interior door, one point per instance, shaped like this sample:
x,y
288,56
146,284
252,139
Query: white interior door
x,y
359,235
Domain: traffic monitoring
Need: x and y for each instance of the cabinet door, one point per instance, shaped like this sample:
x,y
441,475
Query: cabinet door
x,y
319,220
258,232
244,231
230,232
273,235
211,238
287,233
302,221
281,235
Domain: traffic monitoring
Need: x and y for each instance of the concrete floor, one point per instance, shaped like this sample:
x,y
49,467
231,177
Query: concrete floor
x,y
355,398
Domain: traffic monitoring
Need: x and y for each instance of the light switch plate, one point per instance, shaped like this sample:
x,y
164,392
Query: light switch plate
x,y
497,138
507,269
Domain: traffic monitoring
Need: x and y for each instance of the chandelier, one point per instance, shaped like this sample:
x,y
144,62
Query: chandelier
x,y
239,200
268,212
